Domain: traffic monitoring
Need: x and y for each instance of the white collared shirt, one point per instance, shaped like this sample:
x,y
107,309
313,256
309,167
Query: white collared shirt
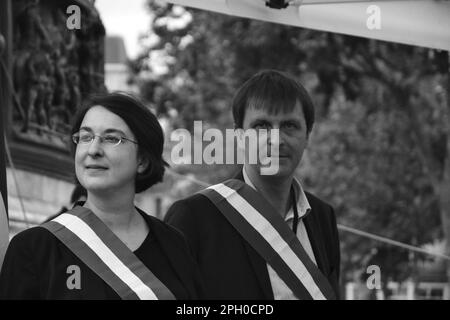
x,y
280,290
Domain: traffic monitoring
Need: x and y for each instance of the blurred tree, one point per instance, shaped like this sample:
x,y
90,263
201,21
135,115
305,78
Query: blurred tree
x,y
380,151
404,93
365,162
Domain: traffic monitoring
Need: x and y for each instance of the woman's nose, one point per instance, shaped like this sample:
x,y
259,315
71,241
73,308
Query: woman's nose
x,y
95,148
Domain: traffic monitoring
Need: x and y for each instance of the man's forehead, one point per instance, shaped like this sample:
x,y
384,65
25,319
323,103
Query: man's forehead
x,y
274,113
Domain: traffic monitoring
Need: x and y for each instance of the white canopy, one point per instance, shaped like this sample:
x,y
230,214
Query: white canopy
x,y
424,23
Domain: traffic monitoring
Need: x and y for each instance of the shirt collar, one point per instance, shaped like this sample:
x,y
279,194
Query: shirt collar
x,y
303,206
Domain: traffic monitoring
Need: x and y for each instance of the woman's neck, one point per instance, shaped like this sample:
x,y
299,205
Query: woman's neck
x,y
115,210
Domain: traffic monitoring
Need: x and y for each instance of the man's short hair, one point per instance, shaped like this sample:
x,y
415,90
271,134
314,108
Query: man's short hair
x,y
144,125
275,92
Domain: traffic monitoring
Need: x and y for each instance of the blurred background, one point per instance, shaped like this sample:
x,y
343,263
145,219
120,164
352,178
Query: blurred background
x,y
379,151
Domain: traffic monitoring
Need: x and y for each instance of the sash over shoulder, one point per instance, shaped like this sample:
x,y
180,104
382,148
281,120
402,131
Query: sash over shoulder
x,y
104,253
265,230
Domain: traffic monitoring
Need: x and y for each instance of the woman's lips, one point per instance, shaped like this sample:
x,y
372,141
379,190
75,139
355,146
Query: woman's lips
x,y
95,167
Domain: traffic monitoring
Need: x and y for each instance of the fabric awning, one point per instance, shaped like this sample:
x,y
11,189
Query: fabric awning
x,y
424,23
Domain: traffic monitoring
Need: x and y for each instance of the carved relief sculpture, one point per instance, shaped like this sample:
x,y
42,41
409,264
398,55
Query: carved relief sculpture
x,y
54,68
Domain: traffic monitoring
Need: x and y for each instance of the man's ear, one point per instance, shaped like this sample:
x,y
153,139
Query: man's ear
x,y
143,164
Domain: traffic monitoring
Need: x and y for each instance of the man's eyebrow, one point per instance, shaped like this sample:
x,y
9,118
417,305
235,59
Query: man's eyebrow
x,y
292,121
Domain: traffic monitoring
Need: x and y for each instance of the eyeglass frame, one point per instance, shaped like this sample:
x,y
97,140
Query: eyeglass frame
x,y
101,137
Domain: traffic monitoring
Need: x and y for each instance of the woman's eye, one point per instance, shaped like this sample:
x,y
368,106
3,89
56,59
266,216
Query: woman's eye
x,y
85,137
112,139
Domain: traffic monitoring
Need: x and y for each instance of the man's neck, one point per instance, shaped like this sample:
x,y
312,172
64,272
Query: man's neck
x,y
275,190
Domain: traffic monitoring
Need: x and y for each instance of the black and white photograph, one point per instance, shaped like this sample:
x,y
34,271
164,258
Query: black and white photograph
x,y
215,151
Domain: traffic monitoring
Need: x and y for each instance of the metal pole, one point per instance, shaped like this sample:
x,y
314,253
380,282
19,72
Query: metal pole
x,y
5,92
5,103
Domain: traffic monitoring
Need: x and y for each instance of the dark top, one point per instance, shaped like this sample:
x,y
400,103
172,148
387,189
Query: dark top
x,y
36,266
230,267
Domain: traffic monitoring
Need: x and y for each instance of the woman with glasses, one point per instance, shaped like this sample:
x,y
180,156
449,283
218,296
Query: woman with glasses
x,y
106,248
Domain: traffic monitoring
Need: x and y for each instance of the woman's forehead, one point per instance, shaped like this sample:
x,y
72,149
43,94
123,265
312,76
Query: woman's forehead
x,y
100,119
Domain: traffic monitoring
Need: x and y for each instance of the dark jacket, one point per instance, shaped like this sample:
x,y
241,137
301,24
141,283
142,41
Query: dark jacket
x,y
36,264
230,267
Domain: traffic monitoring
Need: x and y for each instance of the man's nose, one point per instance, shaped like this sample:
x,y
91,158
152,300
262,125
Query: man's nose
x,y
276,136
95,148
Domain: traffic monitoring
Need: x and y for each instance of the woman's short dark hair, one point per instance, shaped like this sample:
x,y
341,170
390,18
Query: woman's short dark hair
x,y
273,91
144,125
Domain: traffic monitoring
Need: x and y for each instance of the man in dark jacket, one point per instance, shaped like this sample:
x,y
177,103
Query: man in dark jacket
x,y
261,236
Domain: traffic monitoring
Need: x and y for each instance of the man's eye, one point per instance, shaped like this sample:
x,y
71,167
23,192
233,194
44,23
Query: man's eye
x,y
290,126
111,139
262,126
86,137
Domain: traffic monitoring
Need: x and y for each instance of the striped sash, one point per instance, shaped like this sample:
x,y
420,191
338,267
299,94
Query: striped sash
x,y
104,253
266,231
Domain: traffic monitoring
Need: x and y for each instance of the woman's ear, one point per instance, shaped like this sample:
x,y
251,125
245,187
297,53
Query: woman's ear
x,y
143,164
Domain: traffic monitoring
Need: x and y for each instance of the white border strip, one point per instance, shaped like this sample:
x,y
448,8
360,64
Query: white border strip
x,y
90,238
271,235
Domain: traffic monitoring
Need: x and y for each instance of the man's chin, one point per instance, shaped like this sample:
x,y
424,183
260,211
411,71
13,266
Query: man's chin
x,y
282,170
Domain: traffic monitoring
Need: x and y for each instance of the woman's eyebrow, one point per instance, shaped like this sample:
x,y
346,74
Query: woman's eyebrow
x,y
111,130
85,129
114,131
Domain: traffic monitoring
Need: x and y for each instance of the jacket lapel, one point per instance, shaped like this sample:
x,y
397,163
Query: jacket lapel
x,y
314,231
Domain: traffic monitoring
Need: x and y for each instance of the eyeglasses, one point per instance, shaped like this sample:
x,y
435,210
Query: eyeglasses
x,y
108,139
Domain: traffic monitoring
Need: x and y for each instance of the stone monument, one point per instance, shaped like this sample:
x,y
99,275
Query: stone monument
x,y
53,68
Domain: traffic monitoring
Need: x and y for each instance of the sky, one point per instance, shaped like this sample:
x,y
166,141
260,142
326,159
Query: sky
x,y
127,18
